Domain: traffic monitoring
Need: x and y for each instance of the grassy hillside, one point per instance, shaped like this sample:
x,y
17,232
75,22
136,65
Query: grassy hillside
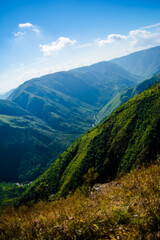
x,y
129,137
127,208
143,63
123,97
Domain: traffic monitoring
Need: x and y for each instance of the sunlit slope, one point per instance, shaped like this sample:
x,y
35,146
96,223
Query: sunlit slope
x,y
123,96
127,208
129,137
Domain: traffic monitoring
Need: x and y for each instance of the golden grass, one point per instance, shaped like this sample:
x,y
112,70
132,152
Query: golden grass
x,y
128,208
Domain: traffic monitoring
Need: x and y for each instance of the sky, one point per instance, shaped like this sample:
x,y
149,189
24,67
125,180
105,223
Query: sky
x,y
38,37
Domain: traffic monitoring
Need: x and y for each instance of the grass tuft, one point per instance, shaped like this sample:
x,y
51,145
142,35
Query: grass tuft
x,y
128,208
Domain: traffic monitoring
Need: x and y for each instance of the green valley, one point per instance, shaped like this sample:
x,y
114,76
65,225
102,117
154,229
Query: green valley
x,y
128,138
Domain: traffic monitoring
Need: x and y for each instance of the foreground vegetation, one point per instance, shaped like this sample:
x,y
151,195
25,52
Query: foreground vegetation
x,y
9,192
127,208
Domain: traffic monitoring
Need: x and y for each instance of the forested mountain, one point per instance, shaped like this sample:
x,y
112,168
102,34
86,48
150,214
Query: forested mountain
x,y
59,108
46,115
27,144
129,137
143,63
123,96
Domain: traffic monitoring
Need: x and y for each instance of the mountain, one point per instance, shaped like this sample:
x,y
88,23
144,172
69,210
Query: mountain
x,y
93,85
6,94
67,101
129,137
123,96
143,63
27,144
44,116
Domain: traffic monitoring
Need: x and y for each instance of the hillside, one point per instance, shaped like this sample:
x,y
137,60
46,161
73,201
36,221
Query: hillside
x,y
127,208
143,63
44,116
129,137
27,144
89,86
123,96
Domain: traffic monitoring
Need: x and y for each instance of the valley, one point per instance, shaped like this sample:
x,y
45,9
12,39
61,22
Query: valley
x,y
83,146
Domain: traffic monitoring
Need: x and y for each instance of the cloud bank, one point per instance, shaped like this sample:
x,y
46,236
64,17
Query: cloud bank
x,y
136,38
110,39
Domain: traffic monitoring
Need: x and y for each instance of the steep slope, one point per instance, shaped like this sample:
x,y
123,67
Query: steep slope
x,y
143,63
93,85
124,209
123,97
129,137
58,108
27,144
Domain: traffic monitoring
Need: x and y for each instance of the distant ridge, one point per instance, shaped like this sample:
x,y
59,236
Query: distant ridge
x,y
143,63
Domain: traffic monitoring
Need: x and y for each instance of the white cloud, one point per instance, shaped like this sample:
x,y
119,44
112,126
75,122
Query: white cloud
x,y
29,26
36,30
85,45
56,46
19,34
144,38
136,38
151,26
110,39
25,25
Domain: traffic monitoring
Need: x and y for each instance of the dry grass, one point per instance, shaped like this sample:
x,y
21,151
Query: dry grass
x,y
128,208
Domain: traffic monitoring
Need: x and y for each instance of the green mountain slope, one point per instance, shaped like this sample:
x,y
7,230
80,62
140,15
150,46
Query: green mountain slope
x,y
123,97
143,63
44,116
129,137
67,101
93,86
27,144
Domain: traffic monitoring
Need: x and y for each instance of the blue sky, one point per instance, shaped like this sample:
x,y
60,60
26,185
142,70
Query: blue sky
x,y
44,36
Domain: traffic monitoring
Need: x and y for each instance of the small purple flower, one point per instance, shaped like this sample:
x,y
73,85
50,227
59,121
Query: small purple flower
x,y
36,222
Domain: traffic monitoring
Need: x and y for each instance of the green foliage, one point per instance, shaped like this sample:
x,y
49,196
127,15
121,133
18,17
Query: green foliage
x,y
9,192
124,96
127,208
44,116
129,137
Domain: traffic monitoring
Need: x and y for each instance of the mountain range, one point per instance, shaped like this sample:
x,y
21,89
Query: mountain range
x,y
44,116
57,108
143,63
128,138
